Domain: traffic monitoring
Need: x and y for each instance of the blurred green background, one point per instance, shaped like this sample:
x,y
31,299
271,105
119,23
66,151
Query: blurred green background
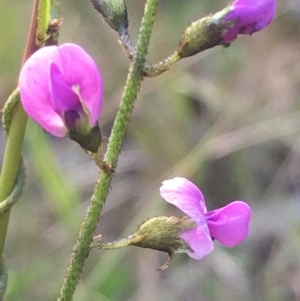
x,y
228,119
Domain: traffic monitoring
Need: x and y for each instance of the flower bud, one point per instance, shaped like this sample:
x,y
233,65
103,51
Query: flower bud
x,y
114,12
240,17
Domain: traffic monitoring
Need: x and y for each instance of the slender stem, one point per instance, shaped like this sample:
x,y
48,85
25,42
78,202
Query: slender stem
x,y
132,87
127,42
15,138
134,79
43,21
112,245
163,66
150,70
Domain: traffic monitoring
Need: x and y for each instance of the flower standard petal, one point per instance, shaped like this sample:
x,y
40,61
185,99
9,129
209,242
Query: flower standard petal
x,y
250,16
35,93
186,196
199,241
229,224
80,72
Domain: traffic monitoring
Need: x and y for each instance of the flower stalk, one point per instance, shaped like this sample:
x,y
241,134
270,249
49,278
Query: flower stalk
x,y
134,80
117,244
161,67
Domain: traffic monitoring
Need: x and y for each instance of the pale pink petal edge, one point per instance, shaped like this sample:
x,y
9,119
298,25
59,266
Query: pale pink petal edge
x,y
186,196
200,242
34,92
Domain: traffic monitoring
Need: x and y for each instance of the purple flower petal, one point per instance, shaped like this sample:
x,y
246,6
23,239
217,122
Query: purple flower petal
x,y
56,80
229,224
63,97
81,72
71,118
35,93
251,16
199,240
186,196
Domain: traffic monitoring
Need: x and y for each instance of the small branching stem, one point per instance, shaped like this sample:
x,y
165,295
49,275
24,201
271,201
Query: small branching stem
x,y
117,244
150,70
133,83
157,69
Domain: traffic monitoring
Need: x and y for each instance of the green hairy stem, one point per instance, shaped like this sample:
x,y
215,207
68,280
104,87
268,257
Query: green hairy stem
x,y
134,79
14,122
14,119
12,156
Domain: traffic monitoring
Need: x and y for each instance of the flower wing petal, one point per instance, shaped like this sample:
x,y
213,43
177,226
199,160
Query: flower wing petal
x,y
186,196
63,97
199,240
81,72
229,224
35,93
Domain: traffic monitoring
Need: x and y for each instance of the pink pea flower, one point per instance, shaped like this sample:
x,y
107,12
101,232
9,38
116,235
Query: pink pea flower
x,y
62,89
250,15
229,224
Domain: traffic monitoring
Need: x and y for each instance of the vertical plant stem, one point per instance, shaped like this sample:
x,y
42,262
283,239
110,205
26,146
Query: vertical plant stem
x,y
15,138
134,79
132,87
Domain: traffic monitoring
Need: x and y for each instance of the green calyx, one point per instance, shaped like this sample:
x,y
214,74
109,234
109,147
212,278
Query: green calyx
x,y
162,233
90,140
204,34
